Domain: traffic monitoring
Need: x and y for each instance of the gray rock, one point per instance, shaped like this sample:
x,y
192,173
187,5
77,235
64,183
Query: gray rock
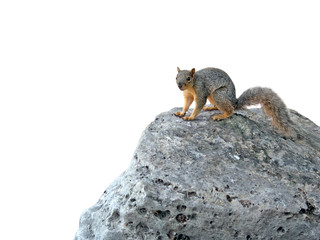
x,y
233,179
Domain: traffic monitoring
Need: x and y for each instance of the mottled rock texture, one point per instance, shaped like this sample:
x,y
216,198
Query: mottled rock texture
x,y
203,180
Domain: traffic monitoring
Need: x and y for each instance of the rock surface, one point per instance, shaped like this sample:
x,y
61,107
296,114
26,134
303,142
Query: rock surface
x,y
202,180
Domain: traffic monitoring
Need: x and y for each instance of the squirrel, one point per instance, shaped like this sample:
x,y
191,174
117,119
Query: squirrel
x,y
216,86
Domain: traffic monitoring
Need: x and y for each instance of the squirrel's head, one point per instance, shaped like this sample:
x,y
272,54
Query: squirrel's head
x,y
185,78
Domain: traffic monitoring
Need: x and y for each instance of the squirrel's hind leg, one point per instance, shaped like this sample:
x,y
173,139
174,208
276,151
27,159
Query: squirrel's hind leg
x,y
213,103
221,116
221,100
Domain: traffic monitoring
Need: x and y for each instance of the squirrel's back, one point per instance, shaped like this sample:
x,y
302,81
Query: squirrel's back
x,y
214,79
214,75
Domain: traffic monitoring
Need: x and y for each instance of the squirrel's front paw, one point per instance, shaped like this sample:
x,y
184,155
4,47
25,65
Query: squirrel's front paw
x,y
188,118
179,114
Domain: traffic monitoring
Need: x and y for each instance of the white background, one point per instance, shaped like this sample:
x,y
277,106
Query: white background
x,y
80,80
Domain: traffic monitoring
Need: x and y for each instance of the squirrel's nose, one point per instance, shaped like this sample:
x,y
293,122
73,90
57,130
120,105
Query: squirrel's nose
x,y
180,85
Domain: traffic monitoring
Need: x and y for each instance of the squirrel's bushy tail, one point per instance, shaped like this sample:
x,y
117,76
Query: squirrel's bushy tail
x,y
272,105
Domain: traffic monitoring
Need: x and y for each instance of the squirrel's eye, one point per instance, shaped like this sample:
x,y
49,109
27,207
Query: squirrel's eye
x,y
188,78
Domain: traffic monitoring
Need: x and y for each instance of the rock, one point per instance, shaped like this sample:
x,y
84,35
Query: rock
x,y
233,179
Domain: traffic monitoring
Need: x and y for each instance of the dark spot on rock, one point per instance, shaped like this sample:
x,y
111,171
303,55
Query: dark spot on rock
x,y
191,194
181,208
142,211
302,210
229,198
158,181
309,210
181,237
281,229
115,216
245,203
141,227
155,198
128,223
249,237
132,200
181,218
175,188
156,213
161,214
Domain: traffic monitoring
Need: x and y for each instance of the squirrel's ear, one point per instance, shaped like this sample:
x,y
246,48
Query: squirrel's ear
x,y
178,69
192,72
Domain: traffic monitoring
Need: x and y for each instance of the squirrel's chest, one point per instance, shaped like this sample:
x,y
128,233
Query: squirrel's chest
x,y
189,92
